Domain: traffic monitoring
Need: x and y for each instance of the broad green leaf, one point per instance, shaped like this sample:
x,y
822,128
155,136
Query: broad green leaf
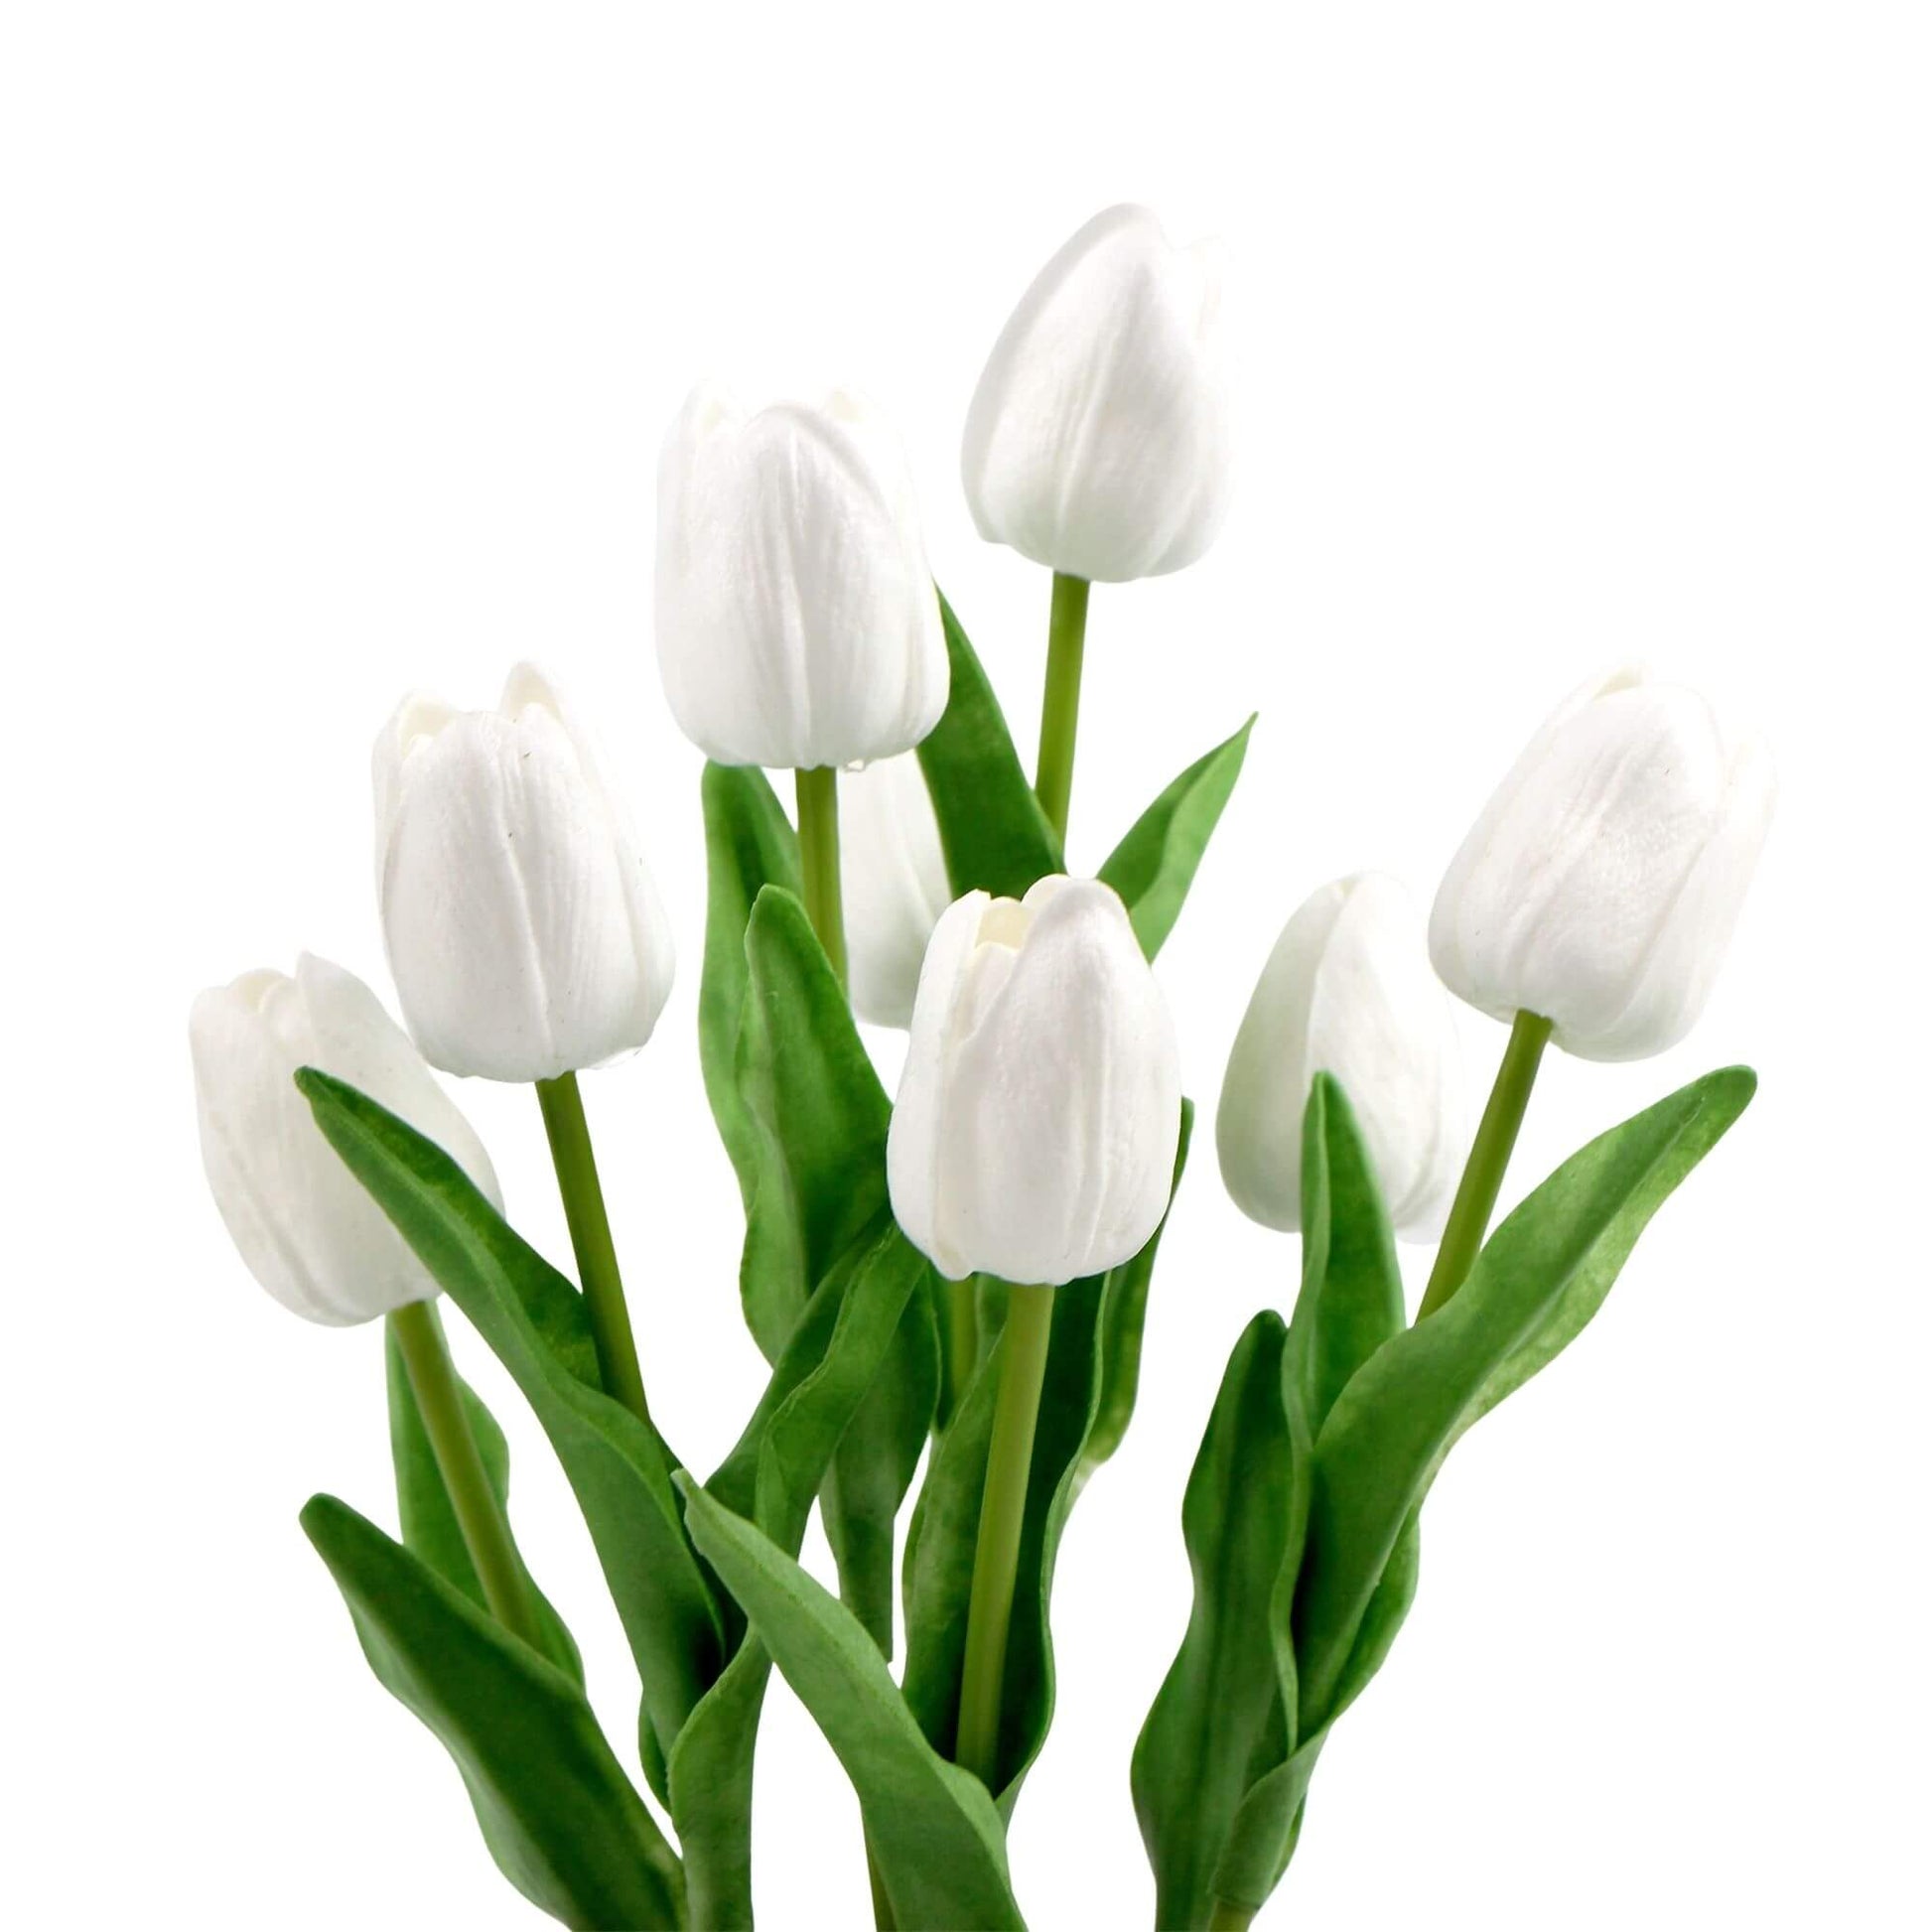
x,y
834,1357
1219,1717
1152,866
748,845
1542,1276
1082,1414
991,830
429,1521
1351,1302
934,1833
557,1812
533,1321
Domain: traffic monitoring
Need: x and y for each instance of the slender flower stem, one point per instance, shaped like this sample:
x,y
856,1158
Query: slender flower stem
x,y
1003,1512
1230,1917
818,853
962,1339
590,1237
479,1516
1060,712
1482,1173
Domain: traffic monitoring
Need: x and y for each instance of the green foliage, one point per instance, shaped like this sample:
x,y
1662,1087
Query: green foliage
x,y
429,1521
557,1812
534,1323
936,1837
1301,1518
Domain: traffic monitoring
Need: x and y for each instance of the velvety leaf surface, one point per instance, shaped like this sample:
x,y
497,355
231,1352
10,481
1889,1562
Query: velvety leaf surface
x,y
991,830
429,1521
834,1357
557,1812
533,1323
1543,1274
934,1833
1152,866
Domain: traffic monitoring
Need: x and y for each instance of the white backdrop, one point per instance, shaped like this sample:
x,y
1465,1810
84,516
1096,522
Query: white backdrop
x,y
336,345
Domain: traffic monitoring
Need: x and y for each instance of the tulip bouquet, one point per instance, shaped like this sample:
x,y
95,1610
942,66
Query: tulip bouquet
x,y
953,1282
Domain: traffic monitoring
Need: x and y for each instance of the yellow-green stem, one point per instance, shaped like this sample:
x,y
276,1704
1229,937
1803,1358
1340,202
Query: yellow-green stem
x,y
818,859
1002,1513
1482,1173
1059,711
589,1238
479,1515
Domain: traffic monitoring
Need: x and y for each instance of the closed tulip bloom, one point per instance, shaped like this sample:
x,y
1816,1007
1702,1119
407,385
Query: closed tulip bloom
x,y
308,1232
1035,1133
1601,886
524,933
896,884
1348,991
797,622
1098,439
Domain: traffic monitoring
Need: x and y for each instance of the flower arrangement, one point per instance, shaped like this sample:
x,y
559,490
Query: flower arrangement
x,y
954,1279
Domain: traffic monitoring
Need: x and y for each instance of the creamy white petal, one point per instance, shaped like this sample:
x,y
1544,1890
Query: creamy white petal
x,y
301,1221
1098,440
896,884
797,624
1600,884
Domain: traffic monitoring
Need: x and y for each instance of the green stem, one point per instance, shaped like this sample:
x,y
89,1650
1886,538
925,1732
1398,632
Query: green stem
x,y
962,1339
818,856
1060,712
1003,1512
1230,1917
479,1516
1482,1175
589,1238
882,1903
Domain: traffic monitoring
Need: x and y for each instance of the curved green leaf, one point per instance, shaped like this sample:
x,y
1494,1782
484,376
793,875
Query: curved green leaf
x,y
1544,1273
557,1812
531,1318
934,1835
991,830
1152,866
429,1521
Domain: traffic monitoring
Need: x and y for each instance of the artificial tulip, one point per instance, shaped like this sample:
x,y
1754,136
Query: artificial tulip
x,y
1097,442
303,1224
797,624
1347,991
1035,1133
1601,885
524,931
896,884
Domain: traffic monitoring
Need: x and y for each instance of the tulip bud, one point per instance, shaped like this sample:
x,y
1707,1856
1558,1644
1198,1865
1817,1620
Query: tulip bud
x,y
1347,991
1034,1137
308,1232
896,883
797,622
1098,439
525,935
1601,885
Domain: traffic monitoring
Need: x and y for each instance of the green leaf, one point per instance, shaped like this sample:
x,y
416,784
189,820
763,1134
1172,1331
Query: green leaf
x,y
1152,866
1083,1416
748,845
833,1359
557,1812
991,830
1544,1273
429,1521
1219,1717
533,1321
934,1833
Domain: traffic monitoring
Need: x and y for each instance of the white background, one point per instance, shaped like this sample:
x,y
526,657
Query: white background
x,y
338,344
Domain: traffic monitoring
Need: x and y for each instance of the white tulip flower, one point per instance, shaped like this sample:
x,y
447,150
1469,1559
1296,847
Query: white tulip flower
x,y
1098,441
797,622
896,883
1601,883
524,931
301,1220
1034,1132
1348,991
